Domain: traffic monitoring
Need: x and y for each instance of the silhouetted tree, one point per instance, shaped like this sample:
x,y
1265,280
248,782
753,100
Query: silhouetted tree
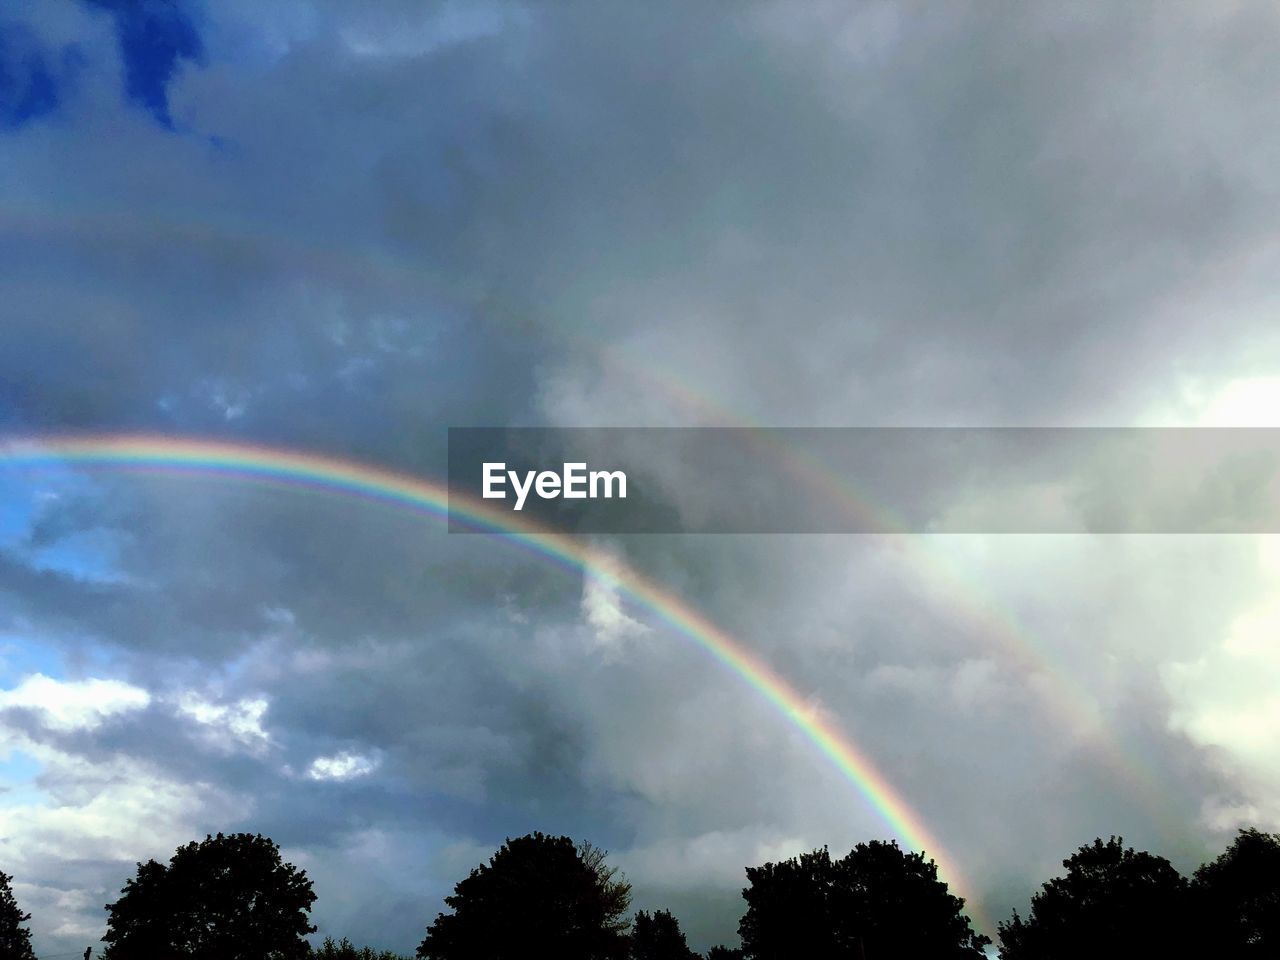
x,y
615,892
724,953
537,896
1113,902
224,898
15,939
876,902
346,950
1239,896
657,936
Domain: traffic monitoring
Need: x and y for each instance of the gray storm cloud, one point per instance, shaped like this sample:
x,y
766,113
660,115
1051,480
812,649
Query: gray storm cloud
x,y
370,223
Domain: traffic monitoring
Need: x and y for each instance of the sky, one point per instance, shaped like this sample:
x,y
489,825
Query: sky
x,y
343,228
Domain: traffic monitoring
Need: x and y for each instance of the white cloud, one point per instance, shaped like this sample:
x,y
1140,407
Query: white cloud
x,y
231,724
1226,698
1246,402
342,766
602,609
74,843
74,704
118,809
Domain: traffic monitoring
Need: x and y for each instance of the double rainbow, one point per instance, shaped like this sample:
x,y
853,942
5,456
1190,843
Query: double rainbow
x,y
291,468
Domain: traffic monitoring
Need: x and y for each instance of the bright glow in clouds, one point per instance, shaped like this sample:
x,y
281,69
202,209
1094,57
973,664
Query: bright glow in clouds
x,y
342,766
1245,402
1228,697
66,705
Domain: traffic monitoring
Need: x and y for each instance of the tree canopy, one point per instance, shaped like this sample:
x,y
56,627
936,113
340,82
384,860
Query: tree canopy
x,y
537,896
1238,895
878,901
234,898
224,898
344,949
657,936
1113,902
15,938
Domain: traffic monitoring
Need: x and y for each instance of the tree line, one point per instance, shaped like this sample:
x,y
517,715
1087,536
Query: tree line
x,y
232,897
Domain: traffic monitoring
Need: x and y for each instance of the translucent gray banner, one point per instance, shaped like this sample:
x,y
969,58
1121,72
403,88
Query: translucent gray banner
x,y
869,480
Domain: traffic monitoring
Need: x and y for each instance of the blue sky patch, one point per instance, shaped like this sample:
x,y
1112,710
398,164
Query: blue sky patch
x,y
30,79
154,35
40,516
17,781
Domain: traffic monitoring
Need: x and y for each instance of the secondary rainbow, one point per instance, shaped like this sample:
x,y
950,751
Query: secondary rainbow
x,y
1066,695
294,468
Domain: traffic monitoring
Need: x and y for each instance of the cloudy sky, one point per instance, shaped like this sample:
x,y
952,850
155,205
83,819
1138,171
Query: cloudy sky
x,y
344,227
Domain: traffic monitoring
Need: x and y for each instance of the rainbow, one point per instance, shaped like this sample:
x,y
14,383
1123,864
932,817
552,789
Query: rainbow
x,y
294,469
1066,697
